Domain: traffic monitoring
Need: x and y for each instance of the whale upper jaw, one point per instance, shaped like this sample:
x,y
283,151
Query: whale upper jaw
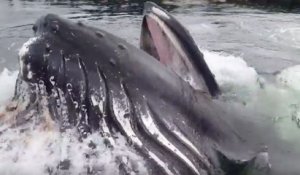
x,y
168,41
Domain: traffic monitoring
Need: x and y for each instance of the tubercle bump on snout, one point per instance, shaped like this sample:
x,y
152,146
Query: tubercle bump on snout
x,y
47,23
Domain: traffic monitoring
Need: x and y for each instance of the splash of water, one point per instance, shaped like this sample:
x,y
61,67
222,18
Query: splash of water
x,y
7,85
278,101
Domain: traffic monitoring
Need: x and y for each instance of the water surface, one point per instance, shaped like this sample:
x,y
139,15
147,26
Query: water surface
x,y
267,40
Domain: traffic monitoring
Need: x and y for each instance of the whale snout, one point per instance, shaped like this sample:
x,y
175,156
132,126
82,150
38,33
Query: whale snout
x,y
48,23
43,54
32,59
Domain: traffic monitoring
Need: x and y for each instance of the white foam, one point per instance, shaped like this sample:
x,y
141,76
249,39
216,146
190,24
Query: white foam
x,y
229,69
7,84
290,77
38,151
279,100
232,73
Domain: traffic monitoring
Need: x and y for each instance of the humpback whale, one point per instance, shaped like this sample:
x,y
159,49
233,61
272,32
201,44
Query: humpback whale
x,y
160,97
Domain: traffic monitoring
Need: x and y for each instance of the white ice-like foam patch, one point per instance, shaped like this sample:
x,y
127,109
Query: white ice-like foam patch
x,y
41,152
232,73
229,69
7,85
290,77
289,82
240,83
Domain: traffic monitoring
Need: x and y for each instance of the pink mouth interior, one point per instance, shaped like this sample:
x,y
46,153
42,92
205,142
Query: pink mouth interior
x,y
168,49
160,41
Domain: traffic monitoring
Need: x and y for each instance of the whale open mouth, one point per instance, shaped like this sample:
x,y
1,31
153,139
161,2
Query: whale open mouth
x,y
168,41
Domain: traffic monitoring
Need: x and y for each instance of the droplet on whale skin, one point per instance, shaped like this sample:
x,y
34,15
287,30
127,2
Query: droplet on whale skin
x,y
69,87
48,49
80,23
122,47
75,104
126,115
52,80
112,62
29,73
65,164
41,83
54,28
99,34
11,106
